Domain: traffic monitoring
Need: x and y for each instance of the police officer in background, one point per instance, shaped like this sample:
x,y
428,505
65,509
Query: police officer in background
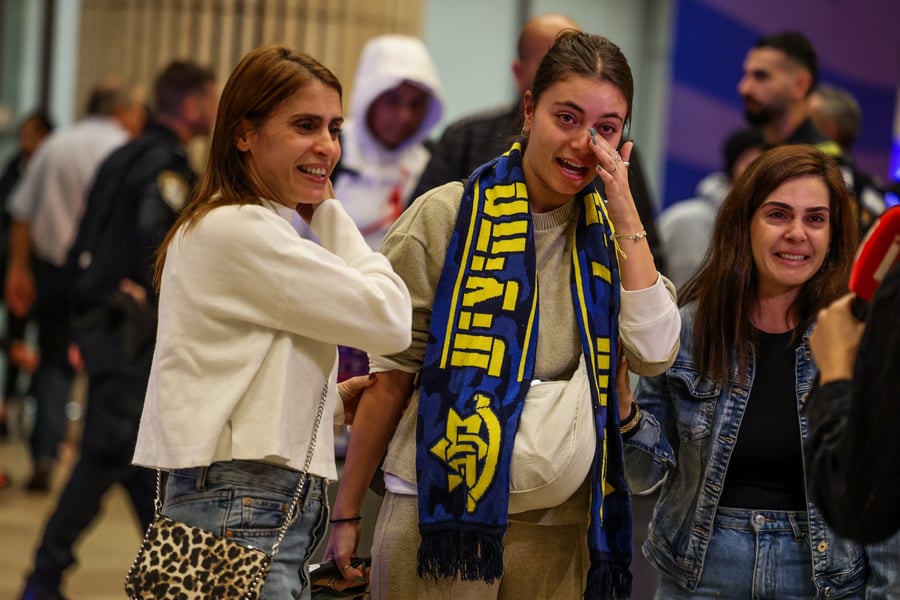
x,y
136,196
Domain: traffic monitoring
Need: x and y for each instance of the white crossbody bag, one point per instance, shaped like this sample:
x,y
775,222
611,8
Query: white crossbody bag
x,y
555,443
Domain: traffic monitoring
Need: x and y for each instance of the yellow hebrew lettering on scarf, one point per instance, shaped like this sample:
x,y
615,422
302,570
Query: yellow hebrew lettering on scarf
x,y
509,246
480,351
485,235
516,228
469,319
506,200
509,238
487,263
502,238
470,450
482,289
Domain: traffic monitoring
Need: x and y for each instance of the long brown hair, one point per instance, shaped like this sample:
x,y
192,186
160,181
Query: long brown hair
x,y
263,79
725,287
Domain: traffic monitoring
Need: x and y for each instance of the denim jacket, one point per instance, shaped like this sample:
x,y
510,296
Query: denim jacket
x,y
687,433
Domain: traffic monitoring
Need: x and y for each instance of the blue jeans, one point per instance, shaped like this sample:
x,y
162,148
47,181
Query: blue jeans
x,y
884,569
249,500
753,555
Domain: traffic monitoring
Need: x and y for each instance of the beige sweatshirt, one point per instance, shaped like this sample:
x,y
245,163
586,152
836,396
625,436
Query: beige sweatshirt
x,y
416,245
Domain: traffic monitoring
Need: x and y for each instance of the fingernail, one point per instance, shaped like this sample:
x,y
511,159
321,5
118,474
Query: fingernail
x,y
593,133
371,376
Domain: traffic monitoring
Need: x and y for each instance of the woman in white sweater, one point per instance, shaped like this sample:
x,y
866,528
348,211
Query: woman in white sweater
x,y
250,316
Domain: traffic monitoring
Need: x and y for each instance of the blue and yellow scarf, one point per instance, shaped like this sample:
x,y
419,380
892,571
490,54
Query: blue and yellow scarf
x,y
477,370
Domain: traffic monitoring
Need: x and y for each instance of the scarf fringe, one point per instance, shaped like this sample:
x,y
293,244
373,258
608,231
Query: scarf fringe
x,y
608,581
472,556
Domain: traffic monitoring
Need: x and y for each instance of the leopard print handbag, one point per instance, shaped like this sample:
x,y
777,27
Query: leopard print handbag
x,y
180,561
177,560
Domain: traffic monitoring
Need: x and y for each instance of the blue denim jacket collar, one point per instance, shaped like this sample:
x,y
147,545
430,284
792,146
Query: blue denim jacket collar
x,y
703,421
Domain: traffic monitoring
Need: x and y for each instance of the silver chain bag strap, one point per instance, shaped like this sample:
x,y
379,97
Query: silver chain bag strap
x,y
177,560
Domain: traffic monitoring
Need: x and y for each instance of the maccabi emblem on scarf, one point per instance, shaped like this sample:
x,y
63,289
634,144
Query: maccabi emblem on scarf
x,y
470,450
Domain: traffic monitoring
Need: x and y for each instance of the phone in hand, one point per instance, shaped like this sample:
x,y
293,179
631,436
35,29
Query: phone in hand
x,y
321,576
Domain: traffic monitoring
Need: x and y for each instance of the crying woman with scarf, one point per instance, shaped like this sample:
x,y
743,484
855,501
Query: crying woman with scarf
x,y
521,274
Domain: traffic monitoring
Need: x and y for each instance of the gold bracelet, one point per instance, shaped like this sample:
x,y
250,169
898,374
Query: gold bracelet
x,y
631,236
633,420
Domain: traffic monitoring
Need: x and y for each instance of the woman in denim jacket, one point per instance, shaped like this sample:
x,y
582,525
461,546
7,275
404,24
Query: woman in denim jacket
x,y
721,429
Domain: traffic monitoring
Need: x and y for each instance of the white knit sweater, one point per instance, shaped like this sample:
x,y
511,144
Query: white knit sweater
x,y
250,316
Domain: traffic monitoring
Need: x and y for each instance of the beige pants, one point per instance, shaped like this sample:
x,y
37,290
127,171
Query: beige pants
x,y
545,556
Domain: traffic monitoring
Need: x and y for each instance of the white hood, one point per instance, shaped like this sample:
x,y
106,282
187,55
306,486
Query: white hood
x,y
377,182
386,62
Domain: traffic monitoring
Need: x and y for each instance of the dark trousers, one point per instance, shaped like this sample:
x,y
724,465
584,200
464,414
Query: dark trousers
x,y
51,384
111,422
15,332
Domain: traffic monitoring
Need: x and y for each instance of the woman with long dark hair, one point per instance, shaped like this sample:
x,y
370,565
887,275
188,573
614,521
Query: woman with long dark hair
x,y
721,430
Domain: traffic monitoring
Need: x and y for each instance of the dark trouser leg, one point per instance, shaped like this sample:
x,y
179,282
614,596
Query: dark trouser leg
x,y
78,505
110,426
51,384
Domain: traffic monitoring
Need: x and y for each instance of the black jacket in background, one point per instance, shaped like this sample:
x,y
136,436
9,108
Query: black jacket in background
x,y
853,450
134,200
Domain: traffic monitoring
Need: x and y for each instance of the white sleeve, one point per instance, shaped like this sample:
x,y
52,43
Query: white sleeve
x,y
649,321
380,364
251,265
26,195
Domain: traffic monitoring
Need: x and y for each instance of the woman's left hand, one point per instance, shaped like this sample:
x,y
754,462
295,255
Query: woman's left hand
x,y
350,391
636,267
612,167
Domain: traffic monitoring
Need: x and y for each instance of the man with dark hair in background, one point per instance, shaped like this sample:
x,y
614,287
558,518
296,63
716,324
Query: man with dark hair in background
x,y
780,73
475,139
45,208
136,196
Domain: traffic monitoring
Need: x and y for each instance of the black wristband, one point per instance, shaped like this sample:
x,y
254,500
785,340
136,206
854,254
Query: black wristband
x,y
355,519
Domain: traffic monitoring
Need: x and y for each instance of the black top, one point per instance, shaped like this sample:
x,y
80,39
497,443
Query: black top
x,y
852,452
765,471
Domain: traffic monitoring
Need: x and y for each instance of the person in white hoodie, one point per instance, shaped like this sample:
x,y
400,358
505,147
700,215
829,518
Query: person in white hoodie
x,y
397,100
250,316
